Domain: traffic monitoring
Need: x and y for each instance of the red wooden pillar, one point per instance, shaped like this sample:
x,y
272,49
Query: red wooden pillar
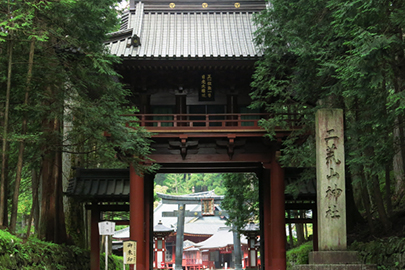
x,y
148,219
266,259
137,216
278,235
94,239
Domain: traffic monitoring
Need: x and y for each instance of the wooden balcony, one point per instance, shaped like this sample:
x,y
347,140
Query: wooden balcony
x,y
208,123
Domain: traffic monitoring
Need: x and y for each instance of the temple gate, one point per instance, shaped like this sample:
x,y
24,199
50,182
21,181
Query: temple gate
x,y
188,65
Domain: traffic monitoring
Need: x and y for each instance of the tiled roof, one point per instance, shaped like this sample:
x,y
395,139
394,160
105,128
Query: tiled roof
x,y
100,184
222,238
113,185
185,35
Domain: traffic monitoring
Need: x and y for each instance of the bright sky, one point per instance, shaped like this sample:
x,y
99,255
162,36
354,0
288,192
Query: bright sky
x,y
123,4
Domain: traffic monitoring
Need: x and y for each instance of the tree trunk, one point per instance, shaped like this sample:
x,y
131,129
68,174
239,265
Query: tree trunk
x,y
34,209
300,230
398,161
388,189
14,206
399,73
380,203
366,202
52,224
353,215
3,196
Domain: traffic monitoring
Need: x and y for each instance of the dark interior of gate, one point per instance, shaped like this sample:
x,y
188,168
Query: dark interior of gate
x,y
188,65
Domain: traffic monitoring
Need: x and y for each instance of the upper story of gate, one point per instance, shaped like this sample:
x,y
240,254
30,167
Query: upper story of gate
x,y
187,30
188,65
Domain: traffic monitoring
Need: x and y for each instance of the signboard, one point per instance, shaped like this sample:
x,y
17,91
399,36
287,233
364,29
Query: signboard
x,y
106,228
129,252
206,92
207,207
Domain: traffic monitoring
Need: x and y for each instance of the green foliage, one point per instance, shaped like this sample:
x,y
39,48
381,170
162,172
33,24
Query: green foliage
x,y
298,255
185,183
74,97
344,54
36,254
241,198
386,253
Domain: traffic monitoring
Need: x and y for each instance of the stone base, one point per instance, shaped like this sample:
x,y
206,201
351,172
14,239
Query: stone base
x,y
334,260
335,267
333,257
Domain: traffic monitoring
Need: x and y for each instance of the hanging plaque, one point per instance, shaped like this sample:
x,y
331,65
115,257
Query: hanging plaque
x,y
207,207
206,92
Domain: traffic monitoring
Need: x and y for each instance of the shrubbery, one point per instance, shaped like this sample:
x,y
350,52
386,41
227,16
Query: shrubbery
x,y
35,254
298,255
387,253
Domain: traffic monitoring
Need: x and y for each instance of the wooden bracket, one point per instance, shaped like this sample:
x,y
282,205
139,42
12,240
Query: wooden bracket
x,y
231,144
183,145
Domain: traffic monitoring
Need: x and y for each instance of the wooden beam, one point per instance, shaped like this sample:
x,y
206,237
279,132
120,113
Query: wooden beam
x,y
188,213
108,207
299,220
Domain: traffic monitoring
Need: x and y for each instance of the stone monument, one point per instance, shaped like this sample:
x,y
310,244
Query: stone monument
x,y
331,197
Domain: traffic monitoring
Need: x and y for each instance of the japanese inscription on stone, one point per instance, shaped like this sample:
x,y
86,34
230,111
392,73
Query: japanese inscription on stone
x,y
330,175
332,194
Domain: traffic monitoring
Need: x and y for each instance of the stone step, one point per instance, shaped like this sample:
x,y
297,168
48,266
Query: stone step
x,y
356,266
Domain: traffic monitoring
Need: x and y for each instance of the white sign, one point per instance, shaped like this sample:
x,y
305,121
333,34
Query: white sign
x,y
106,228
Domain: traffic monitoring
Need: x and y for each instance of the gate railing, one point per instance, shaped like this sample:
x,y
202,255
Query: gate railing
x,y
229,121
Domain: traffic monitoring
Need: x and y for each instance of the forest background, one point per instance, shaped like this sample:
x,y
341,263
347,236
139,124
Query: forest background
x,y
318,53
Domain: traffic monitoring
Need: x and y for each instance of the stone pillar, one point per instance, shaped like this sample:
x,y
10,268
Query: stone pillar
x,y
330,175
180,237
278,236
331,197
137,216
94,239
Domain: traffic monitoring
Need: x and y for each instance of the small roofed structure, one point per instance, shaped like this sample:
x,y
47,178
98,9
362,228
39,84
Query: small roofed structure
x,y
160,232
251,231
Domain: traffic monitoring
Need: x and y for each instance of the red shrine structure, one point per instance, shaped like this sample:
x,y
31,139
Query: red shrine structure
x,y
188,65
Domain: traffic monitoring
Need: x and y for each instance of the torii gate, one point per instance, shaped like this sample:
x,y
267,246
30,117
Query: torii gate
x,y
208,201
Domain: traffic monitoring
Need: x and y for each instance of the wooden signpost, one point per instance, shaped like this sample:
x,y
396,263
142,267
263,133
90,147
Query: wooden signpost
x,y
106,228
130,253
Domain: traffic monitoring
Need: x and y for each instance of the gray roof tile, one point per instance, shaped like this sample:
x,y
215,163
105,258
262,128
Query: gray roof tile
x,y
186,34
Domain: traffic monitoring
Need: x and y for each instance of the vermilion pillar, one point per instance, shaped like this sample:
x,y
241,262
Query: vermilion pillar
x,y
137,216
94,239
277,198
266,218
148,219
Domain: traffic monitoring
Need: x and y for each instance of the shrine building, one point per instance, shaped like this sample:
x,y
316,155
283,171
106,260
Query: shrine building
x,y
188,65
